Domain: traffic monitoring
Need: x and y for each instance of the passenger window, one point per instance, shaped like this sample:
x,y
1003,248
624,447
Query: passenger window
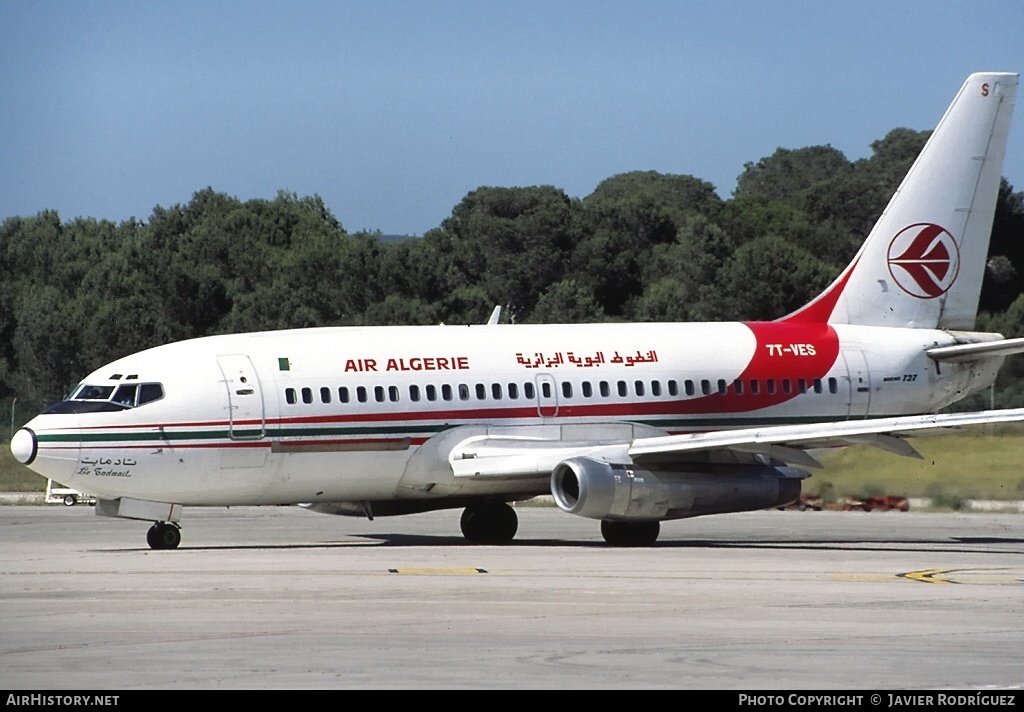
x,y
393,394
655,388
802,385
566,389
513,391
738,386
414,393
481,391
545,388
496,391
431,392
343,394
361,394
817,386
787,387
770,383
446,392
378,394
673,388
463,392
529,392
722,386
290,397
833,385
755,387
605,389
325,395
307,395
705,387
588,390
690,389
639,387
622,389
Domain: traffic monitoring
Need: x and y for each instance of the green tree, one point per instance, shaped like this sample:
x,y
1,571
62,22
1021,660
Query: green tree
x,y
623,220
679,196
768,278
855,199
788,172
682,279
567,302
48,338
513,242
1004,279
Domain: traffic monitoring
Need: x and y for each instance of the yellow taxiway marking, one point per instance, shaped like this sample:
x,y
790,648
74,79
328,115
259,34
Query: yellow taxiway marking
x,y
437,572
1013,576
927,576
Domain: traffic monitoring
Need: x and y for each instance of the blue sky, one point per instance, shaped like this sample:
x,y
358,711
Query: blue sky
x,y
393,110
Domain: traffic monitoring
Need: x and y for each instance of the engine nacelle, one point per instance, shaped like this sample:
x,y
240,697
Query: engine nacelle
x,y
599,490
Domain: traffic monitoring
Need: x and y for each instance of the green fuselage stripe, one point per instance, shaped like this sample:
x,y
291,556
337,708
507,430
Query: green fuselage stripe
x,y
321,431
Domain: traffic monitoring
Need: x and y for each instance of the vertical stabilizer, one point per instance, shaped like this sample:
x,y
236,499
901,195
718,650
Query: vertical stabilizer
x,y
923,262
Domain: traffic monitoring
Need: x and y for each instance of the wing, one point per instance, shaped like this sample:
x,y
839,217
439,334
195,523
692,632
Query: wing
x,y
518,456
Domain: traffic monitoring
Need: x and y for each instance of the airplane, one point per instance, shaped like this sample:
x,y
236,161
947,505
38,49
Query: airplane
x,y
629,424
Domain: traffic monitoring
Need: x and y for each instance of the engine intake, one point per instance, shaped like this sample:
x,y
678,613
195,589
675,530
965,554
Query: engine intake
x,y
600,490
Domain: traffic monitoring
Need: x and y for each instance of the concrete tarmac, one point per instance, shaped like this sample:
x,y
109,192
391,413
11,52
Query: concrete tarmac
x,y
283,598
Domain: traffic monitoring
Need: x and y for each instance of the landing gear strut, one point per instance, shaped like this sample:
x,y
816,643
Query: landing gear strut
x,y
630,533
489,523
163,535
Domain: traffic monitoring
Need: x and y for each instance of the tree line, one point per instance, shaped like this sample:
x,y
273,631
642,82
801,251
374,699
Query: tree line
x,y
644,246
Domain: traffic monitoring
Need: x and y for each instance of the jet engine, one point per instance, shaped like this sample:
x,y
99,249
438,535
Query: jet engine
x,y
613,492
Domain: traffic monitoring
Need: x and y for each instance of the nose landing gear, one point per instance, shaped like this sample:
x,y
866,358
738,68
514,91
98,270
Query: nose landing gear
x,y
163,535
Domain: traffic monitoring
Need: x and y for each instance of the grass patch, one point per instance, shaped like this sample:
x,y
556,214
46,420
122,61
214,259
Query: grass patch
x,y
983,465
15,477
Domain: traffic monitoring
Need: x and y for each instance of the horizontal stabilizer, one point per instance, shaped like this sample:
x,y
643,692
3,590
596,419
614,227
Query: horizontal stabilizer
x,y
972,352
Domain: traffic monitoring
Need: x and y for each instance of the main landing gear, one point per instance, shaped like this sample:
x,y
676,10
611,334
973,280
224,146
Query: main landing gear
x,y
163,535
630,533
489,522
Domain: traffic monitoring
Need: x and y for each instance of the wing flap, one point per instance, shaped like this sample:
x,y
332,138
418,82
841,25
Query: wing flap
x,y
489,456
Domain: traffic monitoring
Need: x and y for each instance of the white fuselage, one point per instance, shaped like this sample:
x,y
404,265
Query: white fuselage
x,y
339,414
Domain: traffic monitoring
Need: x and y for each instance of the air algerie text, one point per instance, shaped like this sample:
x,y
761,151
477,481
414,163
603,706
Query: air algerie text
x,y
416,363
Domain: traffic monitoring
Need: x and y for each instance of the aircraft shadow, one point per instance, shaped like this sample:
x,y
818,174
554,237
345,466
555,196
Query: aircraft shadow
x,y
943,545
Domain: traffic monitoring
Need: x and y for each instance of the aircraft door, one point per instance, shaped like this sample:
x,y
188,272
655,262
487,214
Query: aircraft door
x,y
860,383
547,396
246,413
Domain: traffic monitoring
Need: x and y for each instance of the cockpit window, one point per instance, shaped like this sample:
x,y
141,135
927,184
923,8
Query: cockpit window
x,y
123,396
150,392
87,392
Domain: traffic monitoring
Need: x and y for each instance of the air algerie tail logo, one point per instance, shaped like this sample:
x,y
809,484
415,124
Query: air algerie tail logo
x,y
924,260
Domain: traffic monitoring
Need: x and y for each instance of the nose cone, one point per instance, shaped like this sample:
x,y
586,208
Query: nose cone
x,y
24,446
